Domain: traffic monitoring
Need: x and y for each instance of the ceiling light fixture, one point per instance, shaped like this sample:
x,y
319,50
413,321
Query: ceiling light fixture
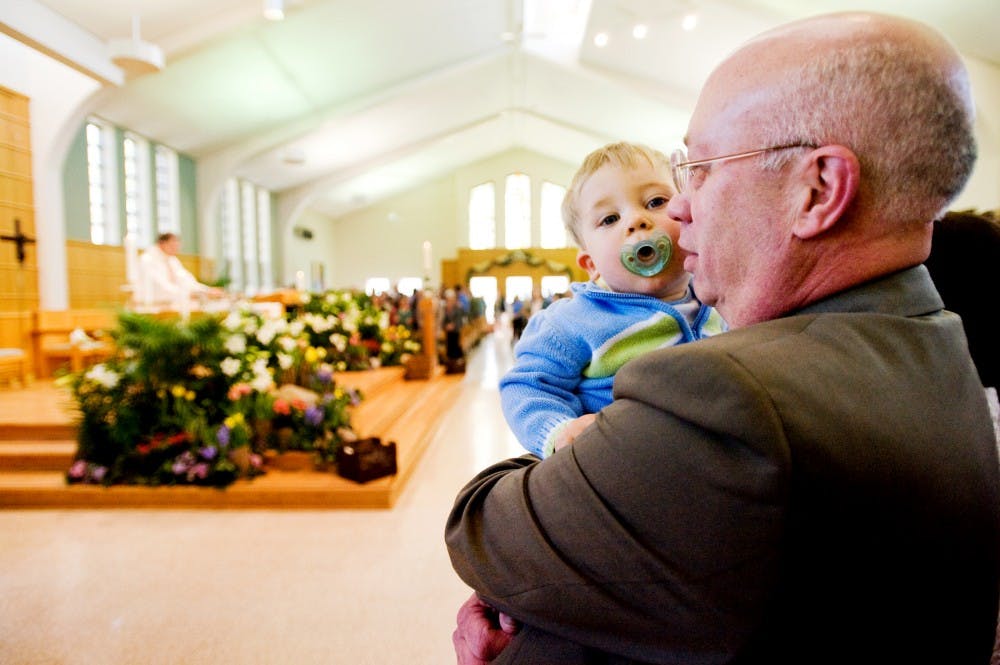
x,y
640,30
135,56
690,21
601,39
274,10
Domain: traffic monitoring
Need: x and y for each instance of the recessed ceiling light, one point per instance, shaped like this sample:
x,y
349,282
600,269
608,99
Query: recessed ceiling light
x,y
689,22
601,39
640,30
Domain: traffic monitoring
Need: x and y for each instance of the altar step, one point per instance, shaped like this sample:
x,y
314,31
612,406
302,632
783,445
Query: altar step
x,y
34,457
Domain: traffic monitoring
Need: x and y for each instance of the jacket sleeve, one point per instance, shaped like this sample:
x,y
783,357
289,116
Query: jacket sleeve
x,y
539,392
654,535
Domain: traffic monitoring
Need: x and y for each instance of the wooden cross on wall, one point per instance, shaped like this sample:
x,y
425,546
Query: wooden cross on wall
x,y
19,240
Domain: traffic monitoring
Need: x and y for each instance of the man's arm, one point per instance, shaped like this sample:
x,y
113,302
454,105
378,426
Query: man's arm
x,y
654,535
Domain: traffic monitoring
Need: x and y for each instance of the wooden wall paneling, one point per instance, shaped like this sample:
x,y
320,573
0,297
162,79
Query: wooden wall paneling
x,y
18,281
96,275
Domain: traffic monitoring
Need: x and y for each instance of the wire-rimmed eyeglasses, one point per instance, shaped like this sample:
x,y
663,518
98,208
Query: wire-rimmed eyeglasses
x,y
681,168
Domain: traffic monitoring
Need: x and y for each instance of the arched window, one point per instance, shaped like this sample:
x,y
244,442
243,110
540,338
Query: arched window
x,y
482,217
517,209
167,190
264,240
229,214
553,231
248,226
135,168
101,179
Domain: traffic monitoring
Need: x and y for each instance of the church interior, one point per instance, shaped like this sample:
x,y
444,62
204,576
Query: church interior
x,y
311,159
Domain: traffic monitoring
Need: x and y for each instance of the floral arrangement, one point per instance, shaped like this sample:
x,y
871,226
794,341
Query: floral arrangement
x,y
200,402
355,332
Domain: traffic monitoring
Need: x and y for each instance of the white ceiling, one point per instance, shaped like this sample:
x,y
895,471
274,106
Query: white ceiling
x,y
381,95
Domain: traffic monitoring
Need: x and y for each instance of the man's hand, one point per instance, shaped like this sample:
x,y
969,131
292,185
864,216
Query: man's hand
x,y
482,632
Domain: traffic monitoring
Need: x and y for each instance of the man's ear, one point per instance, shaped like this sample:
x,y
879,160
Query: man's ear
x,y
584,261
832,177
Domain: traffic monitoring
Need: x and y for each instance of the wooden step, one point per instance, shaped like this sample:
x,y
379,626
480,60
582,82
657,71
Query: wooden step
x,y
410,411
56,455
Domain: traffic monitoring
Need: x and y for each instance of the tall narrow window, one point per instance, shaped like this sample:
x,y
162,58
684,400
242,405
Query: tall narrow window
x,y
248,225
135,167
264,240
167,190
517,211
482,217
229,215
553,231
101,188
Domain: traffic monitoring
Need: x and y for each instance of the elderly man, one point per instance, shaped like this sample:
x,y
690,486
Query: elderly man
x,y
820,484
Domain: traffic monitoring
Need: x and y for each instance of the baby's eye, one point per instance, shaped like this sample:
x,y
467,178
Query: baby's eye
x,y
609,219
657,202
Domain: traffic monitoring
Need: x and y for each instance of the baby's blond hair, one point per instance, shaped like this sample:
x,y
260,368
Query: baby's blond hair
x,y
623,155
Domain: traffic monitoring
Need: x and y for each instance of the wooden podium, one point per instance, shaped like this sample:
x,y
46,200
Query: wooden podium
x,y
423,366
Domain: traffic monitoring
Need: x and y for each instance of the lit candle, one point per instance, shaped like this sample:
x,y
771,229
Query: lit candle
x,y
427,258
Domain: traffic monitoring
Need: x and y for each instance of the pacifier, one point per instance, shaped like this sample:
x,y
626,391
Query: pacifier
x,y
647,257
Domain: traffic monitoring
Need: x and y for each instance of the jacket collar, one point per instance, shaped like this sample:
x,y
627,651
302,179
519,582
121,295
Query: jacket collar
x,y
909,292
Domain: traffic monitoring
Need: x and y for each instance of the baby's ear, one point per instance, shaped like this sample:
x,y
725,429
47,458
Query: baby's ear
x,y
584,261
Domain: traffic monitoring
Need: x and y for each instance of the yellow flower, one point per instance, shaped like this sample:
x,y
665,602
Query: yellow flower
x,y
321,352
233,421
178,391
189,395
311,354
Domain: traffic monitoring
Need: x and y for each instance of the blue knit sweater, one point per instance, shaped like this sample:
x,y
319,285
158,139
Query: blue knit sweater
x,y
565,363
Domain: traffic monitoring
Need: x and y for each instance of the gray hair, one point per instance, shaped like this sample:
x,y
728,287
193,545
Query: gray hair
x,y
896,109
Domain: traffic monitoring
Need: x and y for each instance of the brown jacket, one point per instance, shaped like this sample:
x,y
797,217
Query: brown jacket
x,y
822,488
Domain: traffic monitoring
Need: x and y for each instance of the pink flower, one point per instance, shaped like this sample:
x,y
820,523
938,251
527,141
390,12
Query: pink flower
x,y
239,390
78,470
281,407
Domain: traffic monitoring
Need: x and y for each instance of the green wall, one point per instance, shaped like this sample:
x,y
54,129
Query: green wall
x,y
76,199
188,202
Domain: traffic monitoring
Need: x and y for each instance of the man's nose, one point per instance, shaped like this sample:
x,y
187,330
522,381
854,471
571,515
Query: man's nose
x,y
679,208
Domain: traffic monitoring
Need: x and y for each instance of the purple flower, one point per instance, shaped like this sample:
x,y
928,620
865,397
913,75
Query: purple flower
x,y
78,470
97,473
183,463
324,375
197,471
223,435
209,453
313,416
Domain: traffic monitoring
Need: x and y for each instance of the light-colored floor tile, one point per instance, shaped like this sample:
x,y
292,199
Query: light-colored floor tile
x,y
270,587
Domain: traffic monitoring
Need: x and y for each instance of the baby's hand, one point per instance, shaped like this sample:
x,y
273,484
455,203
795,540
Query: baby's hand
x,y
572,430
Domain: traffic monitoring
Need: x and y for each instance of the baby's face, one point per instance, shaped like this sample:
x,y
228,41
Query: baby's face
x,y
619,208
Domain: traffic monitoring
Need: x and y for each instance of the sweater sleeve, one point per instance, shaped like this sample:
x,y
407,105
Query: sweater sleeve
x,y
539,393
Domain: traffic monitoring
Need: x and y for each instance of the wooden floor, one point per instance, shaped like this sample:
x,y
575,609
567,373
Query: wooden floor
x,y
37,444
